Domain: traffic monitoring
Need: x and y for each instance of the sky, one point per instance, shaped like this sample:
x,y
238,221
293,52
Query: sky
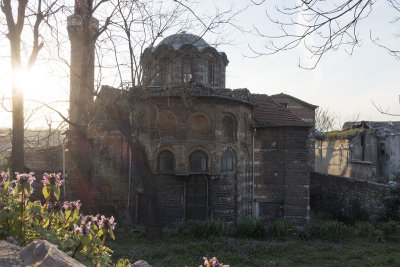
x,y
345,84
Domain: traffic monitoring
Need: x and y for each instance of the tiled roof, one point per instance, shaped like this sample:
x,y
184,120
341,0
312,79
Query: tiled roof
x,y
282,95
266,111
269,113
199,90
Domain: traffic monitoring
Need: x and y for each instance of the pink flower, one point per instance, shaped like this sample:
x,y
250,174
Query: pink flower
x,y
89,219
107,223
24,178
73,205
52,179
4,176
83,229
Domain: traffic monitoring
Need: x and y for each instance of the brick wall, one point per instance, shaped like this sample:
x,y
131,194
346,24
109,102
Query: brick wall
x,y
344,198
282,174
281,161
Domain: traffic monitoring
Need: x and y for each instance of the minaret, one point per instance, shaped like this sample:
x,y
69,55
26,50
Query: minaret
x,y
82,31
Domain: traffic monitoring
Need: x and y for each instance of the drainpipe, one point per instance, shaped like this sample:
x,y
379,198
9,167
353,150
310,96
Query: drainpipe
x,y
252,173
63,170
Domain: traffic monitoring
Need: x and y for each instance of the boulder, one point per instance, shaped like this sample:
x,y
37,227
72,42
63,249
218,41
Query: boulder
x,y
9,255
44,254
141,263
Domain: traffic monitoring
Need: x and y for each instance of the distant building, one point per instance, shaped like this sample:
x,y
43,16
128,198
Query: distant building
x,y
368,150
43,151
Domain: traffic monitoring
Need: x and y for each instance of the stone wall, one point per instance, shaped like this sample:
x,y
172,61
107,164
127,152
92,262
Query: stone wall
x,y
345,198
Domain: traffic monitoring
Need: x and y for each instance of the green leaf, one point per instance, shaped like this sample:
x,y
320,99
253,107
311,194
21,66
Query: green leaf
x,y
46,194
46,224
100,232
56,192
18,189
86,239
67,213
35,209
111,234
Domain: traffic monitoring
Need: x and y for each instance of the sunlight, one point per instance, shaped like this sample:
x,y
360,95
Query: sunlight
x,y
26,80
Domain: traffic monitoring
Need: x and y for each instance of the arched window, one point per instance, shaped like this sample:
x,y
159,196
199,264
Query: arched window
x,y
227,161
198,162
210,72
166,122
187,73
166,163
199,125
165,70
143,123
229,128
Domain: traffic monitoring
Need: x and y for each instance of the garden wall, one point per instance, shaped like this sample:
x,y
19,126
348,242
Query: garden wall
x,y
344,198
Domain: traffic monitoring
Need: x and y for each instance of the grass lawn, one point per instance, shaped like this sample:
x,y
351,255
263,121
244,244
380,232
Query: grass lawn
x,y
185,251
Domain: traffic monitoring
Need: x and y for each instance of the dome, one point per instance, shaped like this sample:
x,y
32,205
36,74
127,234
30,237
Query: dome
x,y
180,39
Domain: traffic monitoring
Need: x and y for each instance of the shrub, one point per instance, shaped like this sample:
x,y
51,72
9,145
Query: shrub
x,y
364,229
202,229
357,213
82,237
390,229
330,230
280,228
250,228
304,233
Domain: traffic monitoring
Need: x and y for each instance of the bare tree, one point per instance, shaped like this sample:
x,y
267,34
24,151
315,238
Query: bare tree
x,y
319,26
34,14
325,120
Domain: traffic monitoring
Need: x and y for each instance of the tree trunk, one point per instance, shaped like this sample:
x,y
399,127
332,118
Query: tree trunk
x,y
17,151
17,143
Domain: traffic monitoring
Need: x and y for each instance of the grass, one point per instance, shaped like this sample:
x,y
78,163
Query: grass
x,y
188,251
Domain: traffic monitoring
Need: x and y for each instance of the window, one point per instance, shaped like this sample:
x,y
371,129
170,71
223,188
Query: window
x,y
166,70
229,128
362,141
198,162
166,161
143,121
210,72
187,69
382,148
227,161
196,198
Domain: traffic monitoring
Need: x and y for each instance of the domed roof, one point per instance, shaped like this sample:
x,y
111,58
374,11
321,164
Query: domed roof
x,y
180,39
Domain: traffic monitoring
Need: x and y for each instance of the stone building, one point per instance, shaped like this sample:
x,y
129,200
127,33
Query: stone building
x,y
367,150
304,111
215,152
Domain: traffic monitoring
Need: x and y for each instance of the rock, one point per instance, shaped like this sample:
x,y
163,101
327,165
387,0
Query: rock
x,y
141,263
44,254
9,255
12,240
